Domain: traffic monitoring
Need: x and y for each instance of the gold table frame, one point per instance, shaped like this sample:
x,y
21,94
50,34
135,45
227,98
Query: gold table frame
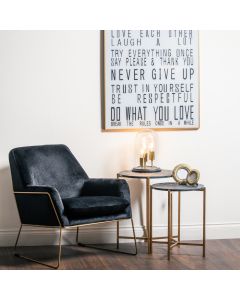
x,y
147,176
171,241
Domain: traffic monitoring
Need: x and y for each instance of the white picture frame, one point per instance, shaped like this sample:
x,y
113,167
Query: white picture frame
x,y
150,80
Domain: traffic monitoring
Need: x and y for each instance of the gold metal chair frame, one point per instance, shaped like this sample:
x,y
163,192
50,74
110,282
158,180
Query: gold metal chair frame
x,y
60,227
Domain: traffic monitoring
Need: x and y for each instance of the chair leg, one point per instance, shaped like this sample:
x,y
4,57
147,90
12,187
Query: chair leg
x,y
77,235
117,234
36,261
112,250
134,236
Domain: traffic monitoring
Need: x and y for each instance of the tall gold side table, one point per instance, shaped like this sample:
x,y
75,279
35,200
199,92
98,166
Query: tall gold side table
x,y
147,177
172,187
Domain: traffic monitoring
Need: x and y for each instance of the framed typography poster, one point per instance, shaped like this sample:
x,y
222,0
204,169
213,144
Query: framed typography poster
x,y
150,80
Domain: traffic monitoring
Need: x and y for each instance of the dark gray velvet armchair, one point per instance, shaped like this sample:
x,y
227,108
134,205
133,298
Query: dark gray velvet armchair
x,y
52,189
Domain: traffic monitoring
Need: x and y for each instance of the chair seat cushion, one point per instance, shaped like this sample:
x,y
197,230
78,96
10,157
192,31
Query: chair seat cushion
x,y
94,206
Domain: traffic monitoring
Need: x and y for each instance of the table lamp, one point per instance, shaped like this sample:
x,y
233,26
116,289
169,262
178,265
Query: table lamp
x,y
146,147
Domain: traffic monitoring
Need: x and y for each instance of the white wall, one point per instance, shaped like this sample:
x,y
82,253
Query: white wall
x,y
50,93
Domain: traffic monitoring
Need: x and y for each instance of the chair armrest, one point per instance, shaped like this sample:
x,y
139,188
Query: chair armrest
x,y
54,194
38,201
106,187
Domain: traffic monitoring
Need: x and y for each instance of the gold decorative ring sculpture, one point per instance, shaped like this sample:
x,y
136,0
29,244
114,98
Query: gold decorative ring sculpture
x,y
191,178
177,169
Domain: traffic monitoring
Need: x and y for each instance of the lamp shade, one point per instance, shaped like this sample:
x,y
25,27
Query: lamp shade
x,y
145,141
146,147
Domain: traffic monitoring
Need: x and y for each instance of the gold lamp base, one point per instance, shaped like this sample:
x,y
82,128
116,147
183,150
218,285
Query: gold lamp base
x,y
146,169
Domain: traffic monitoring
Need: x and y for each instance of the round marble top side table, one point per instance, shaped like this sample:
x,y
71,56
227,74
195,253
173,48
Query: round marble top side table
x,y
172,187
147,177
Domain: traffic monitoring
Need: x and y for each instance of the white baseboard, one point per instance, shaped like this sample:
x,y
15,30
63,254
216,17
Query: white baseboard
x,y
93,234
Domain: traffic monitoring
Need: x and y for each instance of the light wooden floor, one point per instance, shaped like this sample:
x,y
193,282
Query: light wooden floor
x,y
220,255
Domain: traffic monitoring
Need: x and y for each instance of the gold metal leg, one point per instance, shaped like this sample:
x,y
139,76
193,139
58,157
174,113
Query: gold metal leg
x,y
134,236
150,219
117,234
148,213
36,261
112,250
179,217
77,235
204,221
15,246
169,224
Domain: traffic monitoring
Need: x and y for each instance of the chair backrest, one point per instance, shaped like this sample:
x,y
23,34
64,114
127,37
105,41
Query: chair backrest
x,y
50,165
